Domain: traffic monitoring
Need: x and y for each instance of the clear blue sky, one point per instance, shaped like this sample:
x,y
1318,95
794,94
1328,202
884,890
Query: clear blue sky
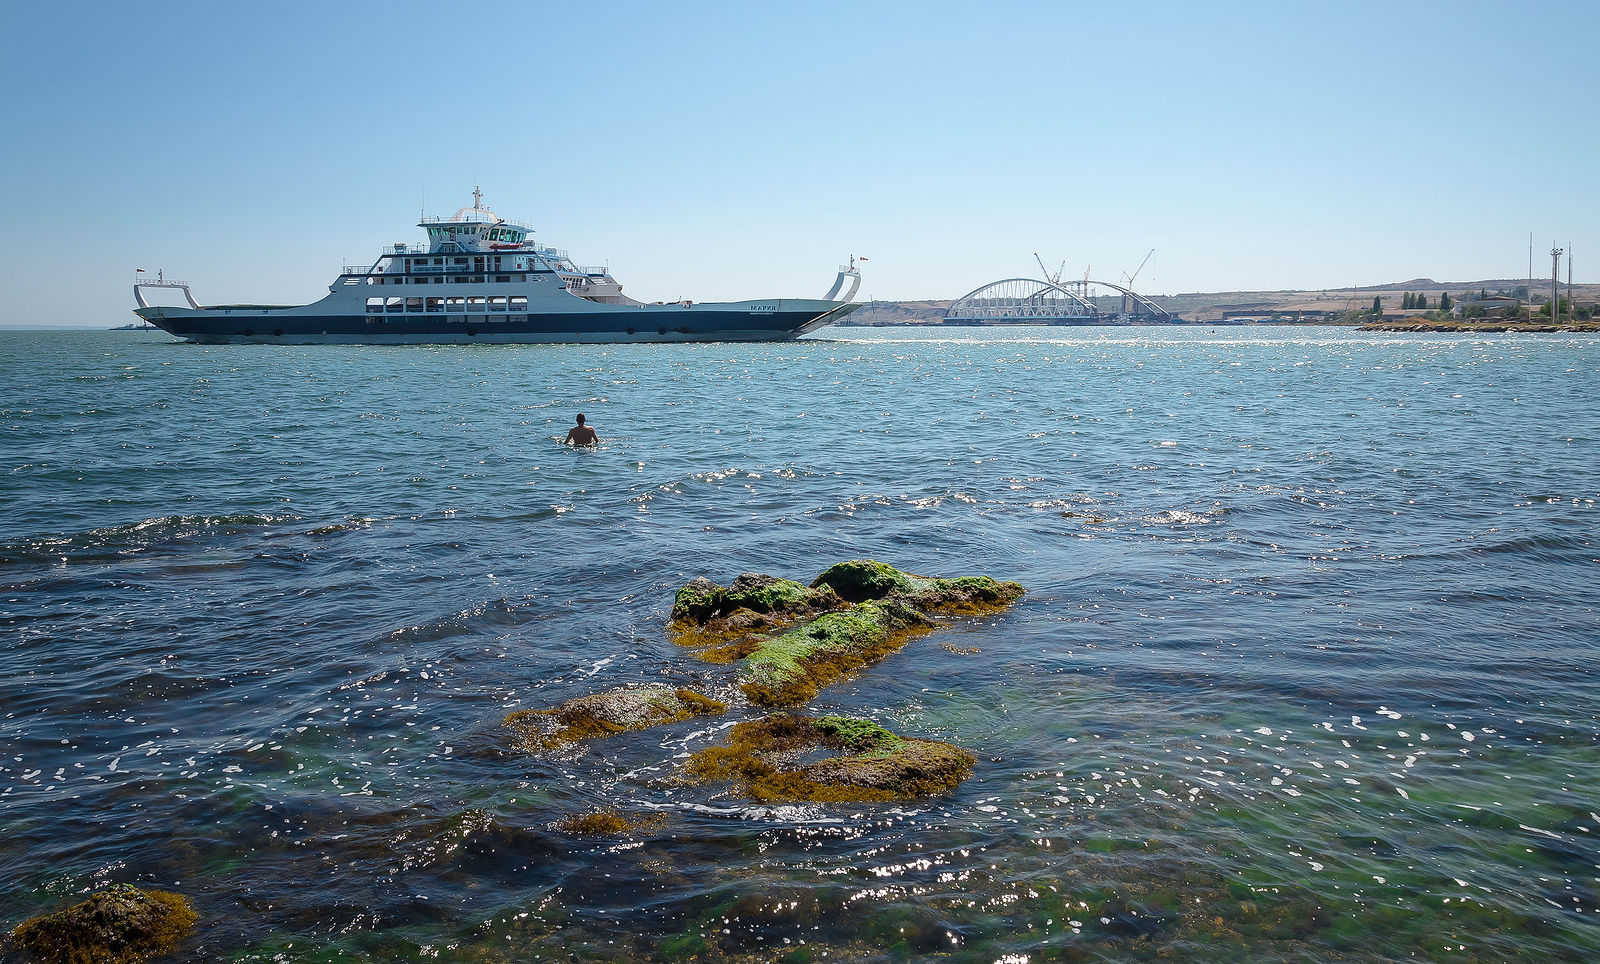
x,y
716,151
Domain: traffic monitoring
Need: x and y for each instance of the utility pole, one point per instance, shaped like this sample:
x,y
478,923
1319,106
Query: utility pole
x,y
1555,286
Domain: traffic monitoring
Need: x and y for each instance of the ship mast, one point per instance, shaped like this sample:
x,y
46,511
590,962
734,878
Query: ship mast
x,y
477,198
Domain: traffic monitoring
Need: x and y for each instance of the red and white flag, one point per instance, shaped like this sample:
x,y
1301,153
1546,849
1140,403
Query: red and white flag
x,y
861,258
140,270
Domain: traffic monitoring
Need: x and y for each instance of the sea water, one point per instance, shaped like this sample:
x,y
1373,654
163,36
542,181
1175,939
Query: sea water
x,y
1306,668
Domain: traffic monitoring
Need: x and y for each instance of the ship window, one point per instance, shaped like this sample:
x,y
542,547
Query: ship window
x,y
413,304
519,302
456,303
396,304
458,260
475,304
516,319
374,305
497,304
502,278
438,261
435,304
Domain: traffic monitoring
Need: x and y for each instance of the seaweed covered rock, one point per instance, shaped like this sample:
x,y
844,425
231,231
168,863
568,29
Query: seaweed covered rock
x,y
120,925
702,603
789,669
614,711
859,611
608,823
774,759
860,580
965,596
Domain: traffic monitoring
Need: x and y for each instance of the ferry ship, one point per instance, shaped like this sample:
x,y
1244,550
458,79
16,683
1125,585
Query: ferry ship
x,y
484,279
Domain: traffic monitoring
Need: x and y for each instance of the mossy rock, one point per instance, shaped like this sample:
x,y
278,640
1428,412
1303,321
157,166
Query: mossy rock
x,y
701,601
120,925
697,600
614,711
966,596
788,670
608,823
746,622
869,763
862,579
718,619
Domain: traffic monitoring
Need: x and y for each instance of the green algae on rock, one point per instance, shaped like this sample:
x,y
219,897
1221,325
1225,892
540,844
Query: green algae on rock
x,y
120,925
860,580
705,614
869,763
741,622
613,711
789,669
701,600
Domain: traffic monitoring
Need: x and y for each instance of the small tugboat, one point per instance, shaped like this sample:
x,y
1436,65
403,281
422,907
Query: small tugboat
x,y
483,278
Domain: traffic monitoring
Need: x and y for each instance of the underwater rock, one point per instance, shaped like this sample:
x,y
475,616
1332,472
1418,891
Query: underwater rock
x,y
608,823
613,711
772,759
119,925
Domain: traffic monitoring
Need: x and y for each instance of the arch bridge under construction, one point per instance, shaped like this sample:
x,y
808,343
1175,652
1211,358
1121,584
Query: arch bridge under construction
x,y
1029,301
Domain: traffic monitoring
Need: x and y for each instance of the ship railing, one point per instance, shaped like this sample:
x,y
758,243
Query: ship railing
x,y
595,269
472,219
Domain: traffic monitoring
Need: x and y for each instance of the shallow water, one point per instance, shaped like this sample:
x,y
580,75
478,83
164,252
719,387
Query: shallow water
x,y
1306,670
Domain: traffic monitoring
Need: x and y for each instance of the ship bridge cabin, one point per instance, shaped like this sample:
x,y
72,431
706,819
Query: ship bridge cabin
x,y
475,247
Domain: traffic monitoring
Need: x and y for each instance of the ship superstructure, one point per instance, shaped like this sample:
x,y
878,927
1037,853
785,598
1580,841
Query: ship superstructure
x,y
484,278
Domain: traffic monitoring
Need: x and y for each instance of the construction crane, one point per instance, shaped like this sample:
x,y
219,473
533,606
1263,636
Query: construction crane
x,y
1054,279
1130,279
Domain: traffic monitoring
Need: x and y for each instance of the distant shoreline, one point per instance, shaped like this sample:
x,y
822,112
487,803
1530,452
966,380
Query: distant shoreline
x,y
1488,327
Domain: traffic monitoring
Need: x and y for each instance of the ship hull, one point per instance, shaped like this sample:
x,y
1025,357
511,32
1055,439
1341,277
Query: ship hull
x,y
788,319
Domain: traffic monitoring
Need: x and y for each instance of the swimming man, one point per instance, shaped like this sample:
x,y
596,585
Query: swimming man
x,y
581,434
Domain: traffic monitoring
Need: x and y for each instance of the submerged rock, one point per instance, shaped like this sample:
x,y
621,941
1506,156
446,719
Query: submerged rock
x,y
608,823
773,760
611,712
120,925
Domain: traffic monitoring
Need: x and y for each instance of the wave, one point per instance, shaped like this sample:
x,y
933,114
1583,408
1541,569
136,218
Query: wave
x,y
115,542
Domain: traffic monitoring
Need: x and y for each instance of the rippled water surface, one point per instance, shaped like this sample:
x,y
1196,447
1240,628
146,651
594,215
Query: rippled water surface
x,y
1306,669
